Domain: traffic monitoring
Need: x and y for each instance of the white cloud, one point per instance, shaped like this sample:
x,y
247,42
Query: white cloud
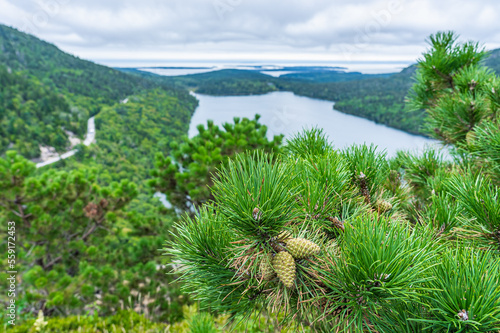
x,y
315,29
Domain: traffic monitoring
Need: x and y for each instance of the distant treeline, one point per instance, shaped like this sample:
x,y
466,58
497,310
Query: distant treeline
x,y
380,98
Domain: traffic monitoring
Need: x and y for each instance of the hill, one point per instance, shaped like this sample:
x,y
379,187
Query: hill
x,y
322,75
23,52
381,99
224,82
46,92
91,217
32,114
493,61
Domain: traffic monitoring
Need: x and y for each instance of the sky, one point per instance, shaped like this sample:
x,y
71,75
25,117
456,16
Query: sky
x,y
162,32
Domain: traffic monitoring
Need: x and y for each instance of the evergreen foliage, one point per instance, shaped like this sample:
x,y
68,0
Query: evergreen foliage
x,y
45,92
467,279
306,236
80,250
405,245
69,74
130,321
124,320
68,263
381,99
132,132
61,215
185,175
456,92
31,114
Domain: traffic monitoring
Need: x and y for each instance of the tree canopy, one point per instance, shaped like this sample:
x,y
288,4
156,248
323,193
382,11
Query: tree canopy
x,y
186,175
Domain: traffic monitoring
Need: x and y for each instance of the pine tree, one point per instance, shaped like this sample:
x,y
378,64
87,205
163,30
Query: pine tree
x,y
409,244
462,100
70,253
186,175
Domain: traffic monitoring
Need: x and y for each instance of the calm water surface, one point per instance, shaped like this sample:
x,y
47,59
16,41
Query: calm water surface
x,y
286,113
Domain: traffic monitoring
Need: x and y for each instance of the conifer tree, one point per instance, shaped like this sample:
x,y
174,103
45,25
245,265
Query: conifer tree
x,y
349,241
462,100
74,254
185,175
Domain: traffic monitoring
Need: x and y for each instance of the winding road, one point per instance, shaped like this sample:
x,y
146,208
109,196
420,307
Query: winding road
x,y
89,138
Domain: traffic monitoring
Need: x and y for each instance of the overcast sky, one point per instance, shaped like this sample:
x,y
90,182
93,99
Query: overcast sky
x,y
154,31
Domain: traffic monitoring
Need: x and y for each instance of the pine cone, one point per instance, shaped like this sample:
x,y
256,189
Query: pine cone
x,y
92,210
103,203
383,206
301,248
284,265
266,269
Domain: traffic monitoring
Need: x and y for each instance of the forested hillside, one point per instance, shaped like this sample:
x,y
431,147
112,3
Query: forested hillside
x,y
324,75
381,99
131,133
378,99
20,51
492,61
226,82
31,114
45,92
42,84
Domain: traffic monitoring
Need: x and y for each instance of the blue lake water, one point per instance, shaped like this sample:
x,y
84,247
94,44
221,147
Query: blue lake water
x,y
286,113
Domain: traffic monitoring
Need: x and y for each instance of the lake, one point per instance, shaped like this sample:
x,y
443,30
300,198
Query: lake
x,y
286,113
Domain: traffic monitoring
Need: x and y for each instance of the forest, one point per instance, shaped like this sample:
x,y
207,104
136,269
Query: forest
x,y
74,90
262,235
32,114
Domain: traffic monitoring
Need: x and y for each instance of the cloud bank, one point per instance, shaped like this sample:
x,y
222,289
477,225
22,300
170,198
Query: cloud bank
x,y
295,30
